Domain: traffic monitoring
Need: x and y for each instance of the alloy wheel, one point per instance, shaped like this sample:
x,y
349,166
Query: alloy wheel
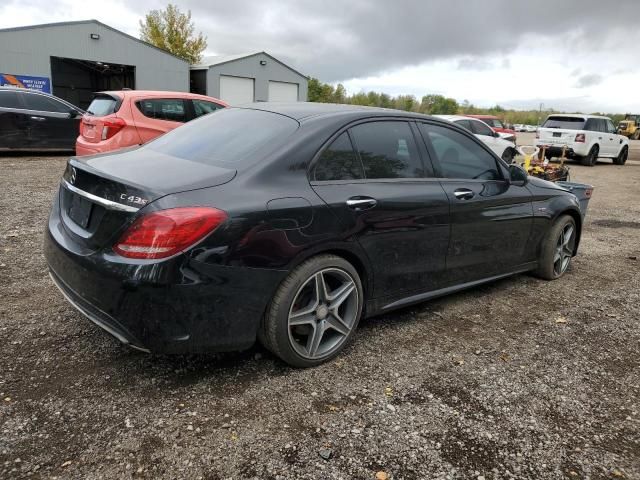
x,y
564,249
323,313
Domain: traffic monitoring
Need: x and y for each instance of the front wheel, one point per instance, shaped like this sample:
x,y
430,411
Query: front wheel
x,y
621,159
314,313
557,249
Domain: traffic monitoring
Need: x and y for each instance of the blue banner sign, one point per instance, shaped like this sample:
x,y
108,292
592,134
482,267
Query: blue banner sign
x,y
41,84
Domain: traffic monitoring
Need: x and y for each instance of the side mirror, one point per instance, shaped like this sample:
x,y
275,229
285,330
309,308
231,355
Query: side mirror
x,y
518,175
496,134
73,113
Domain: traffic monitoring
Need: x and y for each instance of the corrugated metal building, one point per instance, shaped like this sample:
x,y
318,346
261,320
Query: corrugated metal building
x,y
74,59
251,77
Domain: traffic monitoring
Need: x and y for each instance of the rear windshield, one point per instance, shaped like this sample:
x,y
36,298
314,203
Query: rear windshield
x,y
229,138
494,122
568,123
102,105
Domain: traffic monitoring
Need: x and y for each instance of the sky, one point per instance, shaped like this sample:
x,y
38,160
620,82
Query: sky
x,y
570,55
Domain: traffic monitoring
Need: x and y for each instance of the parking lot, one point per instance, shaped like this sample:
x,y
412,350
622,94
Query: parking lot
x,y
517,379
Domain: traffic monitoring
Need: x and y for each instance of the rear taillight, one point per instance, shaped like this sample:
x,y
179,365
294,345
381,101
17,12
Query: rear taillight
x,y
111,127
164,233
580,138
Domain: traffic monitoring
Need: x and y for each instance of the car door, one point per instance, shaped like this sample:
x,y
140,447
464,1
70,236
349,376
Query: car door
x,y
612,138
14,128
381,188
487,136
155,116
491,220
53,125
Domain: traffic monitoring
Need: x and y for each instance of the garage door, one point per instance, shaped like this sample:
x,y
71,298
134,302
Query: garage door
x,y
283,92
236,90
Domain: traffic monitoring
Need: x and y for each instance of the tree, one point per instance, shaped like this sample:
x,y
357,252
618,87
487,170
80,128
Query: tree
x,y
438,105
173,31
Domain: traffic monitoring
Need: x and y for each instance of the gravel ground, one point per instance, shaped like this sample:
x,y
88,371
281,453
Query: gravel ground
x,y
517,379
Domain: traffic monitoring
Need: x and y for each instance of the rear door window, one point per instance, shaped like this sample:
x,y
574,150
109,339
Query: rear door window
x,y
460,156
202,107
170,109
565,123
42,103
339,162
103,105
480,128
466,124
10,99
387,149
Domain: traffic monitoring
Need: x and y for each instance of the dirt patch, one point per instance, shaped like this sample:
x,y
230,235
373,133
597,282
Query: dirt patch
x,y
486,382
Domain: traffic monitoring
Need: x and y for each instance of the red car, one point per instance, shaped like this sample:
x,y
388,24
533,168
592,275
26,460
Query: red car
x,y
495,123
126,118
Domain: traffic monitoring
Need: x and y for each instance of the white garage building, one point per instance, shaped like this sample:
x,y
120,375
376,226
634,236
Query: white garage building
x,y
251,77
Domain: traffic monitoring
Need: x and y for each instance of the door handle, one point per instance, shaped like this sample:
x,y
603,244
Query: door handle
x,y
38,119
463,194
361,203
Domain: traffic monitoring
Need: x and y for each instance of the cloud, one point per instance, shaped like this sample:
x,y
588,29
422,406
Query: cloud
x,y
482,43
589,80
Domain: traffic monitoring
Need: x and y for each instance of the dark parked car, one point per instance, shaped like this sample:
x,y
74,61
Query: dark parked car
x,y
34,121
289,222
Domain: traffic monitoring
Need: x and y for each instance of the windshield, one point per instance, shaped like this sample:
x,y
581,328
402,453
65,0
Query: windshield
x,y
493,122
230,137
567,123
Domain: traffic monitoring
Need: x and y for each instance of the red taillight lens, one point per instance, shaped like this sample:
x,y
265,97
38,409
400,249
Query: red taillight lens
x,y
112,126
580,138
166,232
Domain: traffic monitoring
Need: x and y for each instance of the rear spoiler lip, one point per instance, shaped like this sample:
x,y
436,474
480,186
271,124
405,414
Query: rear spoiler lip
x,y
99,200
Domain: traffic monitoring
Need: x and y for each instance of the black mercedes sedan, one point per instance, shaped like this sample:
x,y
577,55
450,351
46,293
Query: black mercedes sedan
x,y
288,223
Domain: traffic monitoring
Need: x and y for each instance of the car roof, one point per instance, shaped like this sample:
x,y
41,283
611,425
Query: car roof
x,y
481,116
157,94
453,118
302,111
581,115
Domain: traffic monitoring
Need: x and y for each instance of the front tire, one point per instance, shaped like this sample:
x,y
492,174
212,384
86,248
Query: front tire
x,y
314,313
621,159
557,249
592,157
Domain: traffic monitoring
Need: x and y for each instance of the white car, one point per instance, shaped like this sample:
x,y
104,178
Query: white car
x,y
505,149
530,128
584,137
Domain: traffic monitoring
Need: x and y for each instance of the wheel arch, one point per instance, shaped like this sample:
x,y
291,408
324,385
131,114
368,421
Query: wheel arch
x,y
577,217
358,259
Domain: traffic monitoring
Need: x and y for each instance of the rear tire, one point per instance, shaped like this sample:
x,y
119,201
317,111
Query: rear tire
x,y
592,157
557,249
314,312
621,159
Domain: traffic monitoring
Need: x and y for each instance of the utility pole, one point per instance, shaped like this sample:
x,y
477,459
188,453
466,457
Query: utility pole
x,y
540,114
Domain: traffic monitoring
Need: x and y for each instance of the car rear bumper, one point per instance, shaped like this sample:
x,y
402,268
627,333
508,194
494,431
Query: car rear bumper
x,y
555,150
176,306
86,148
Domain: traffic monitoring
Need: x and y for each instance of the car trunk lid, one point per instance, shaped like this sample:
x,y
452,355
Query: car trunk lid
x,y
102,194
101,115
557,136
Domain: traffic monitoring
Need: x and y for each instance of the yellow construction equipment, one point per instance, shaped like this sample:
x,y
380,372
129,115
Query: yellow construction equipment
x,y
630,126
